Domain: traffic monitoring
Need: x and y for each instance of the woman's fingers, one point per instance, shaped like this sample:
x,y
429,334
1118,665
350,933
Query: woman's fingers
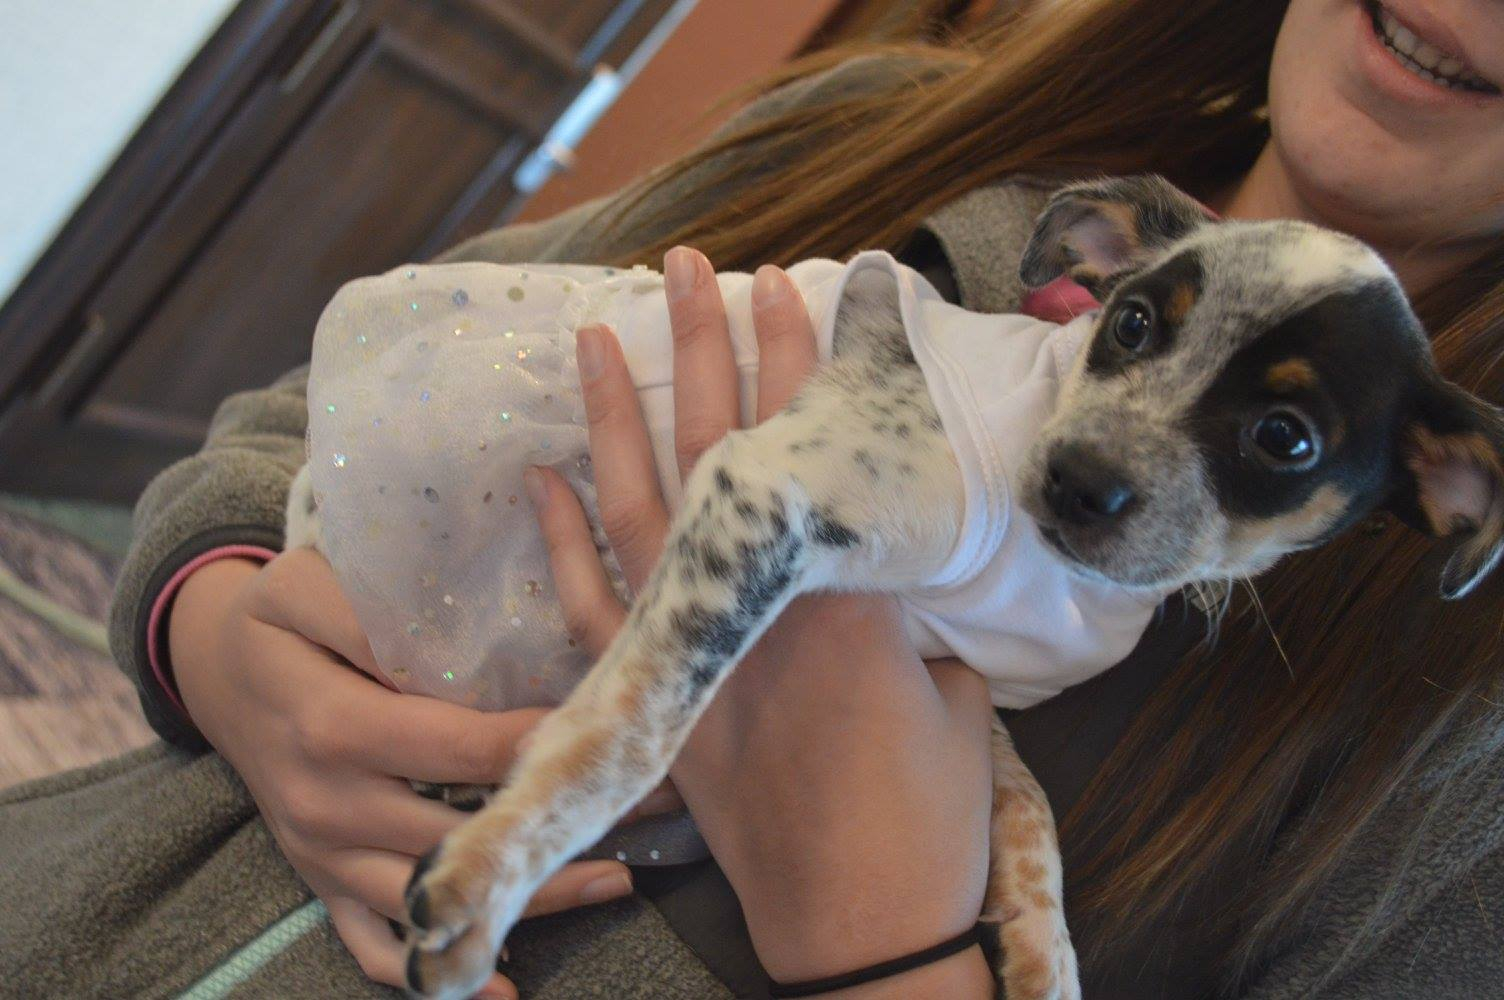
x,y
591,608
382,957
370,940
411,736
345,721
393,817
297,592
785,339
376,879
705,385
583,883
626,477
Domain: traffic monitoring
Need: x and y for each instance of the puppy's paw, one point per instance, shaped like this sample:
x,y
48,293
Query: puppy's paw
x,y
457,923
1037,960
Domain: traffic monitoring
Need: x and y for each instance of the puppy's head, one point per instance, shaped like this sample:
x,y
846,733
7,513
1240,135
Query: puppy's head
x,y
1249,389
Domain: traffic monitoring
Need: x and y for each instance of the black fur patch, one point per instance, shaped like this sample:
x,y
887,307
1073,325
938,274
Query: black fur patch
x,y
713,636
706,631
826,530
1156,290
714,561
1368,355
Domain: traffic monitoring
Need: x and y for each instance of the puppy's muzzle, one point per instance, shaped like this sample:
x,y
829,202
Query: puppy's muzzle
x,y
1084,489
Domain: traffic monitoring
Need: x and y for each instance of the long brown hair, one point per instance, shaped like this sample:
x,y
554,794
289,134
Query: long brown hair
x,y
1304,736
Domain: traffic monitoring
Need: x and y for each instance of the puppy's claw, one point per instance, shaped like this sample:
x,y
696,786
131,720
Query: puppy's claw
x,y
453,952
414,972
416,899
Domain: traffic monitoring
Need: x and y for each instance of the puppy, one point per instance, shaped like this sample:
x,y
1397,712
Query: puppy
x,y
1032,492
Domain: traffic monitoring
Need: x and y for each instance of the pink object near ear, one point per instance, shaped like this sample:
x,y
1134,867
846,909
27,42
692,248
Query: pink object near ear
x,y
1061,301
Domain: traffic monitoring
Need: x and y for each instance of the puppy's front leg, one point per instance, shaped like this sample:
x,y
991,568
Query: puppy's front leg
x,y
1023,885
748,537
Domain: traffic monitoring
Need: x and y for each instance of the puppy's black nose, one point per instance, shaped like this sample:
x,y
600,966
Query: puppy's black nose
x,y
1084,489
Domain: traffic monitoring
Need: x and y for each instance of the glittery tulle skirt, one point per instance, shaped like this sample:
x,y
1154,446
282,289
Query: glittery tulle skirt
x,y
432,389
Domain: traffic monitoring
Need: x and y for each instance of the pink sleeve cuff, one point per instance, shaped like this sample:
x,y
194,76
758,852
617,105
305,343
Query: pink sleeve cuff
x,y
156,653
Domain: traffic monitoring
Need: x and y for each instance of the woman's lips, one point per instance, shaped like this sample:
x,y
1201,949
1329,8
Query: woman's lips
x,y
1427,49
1391,73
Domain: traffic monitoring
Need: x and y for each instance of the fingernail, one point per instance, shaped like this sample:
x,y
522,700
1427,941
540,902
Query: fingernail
x,y
606,887
680,272
769,287
590,353
537,489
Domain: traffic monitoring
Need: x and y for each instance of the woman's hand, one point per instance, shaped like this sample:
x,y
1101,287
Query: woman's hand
x,y
843,787
265,658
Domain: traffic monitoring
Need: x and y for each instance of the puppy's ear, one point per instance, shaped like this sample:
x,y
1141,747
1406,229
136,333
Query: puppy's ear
x,y
1101,231
1453,455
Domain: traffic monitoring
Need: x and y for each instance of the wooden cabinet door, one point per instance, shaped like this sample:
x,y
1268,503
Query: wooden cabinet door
x,y
378,132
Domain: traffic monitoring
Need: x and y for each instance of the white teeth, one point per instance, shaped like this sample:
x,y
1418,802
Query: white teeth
x,y
1425,60
1426,55
1400,36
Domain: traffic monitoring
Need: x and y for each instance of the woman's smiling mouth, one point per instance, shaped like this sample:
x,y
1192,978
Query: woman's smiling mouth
x,y
1423,57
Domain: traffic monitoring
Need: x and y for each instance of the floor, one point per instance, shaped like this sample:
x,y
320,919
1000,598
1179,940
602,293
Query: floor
x,y
63,702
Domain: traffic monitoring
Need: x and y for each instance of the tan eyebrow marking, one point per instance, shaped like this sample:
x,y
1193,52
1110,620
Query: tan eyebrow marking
x,y
1180,302
1288,376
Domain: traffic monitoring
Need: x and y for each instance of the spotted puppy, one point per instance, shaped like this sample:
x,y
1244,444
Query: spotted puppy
x,y
1246,390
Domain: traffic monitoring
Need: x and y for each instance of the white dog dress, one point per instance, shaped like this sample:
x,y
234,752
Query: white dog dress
x,y
433,388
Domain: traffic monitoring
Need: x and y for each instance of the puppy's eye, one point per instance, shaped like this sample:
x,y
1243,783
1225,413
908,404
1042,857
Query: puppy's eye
x,y
1132,326
1285,438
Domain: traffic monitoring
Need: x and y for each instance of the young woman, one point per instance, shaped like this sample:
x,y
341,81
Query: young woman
x,y
1310,807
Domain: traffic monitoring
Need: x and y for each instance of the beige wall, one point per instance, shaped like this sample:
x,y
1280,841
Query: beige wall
x,y
720,46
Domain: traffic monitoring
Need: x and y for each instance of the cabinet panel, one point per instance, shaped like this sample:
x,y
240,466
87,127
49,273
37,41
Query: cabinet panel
x,y
360,134
358,189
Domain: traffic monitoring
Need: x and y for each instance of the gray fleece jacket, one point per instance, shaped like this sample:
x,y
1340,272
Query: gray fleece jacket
x,y
153,876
